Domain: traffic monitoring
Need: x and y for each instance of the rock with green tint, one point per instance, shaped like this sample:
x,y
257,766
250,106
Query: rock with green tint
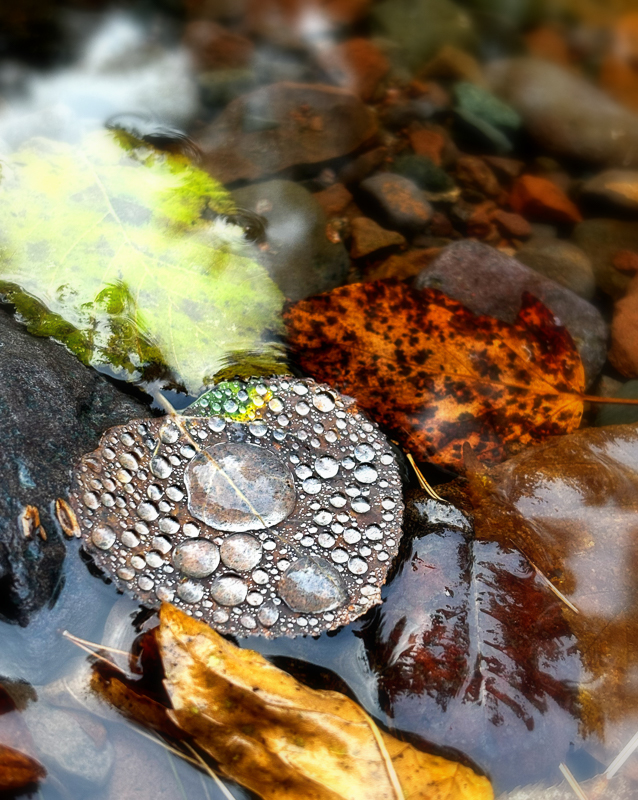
x,y
484,117
126,256
424,172
612,414
419,28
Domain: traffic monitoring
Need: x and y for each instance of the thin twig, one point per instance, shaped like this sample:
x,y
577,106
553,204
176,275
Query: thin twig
x,y
77,640
424,484
222,788
620,759
82,646
575,787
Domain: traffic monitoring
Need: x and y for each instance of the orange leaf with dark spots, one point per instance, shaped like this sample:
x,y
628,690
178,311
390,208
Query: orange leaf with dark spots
x,y
435,374
17,770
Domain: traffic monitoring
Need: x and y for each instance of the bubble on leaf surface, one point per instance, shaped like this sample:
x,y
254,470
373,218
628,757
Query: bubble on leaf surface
x,y
236,486
196,557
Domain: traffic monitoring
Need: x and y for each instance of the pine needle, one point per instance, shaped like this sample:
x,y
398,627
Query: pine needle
x,y
620,759
424,484
575,787
93,652
394,779
222,788
553,588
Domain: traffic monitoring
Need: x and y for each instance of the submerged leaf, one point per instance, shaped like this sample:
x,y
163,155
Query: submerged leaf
x,y
17,770
120,252
285,741
280,514
436,374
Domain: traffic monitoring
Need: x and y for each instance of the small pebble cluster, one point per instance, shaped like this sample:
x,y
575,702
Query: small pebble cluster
x,y
278,514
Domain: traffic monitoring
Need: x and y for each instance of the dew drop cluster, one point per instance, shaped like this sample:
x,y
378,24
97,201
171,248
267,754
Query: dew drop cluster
x,y
284,522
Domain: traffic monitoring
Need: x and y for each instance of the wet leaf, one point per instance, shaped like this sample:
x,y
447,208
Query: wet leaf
x,y
437,375
571,505
17,770
278,514
120,252
285,741
471,650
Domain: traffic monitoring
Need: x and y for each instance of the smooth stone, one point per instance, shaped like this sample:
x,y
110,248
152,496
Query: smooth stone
x,y
623,353
561,261
368,237
312,586
424,172
282,125
55,410
566,114
615,187
398,201
484,119
419,28
601,240
299,257
489,282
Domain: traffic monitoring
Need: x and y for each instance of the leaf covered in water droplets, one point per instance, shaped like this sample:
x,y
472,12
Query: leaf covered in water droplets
x,y
110,248
437,375
286,741
278,514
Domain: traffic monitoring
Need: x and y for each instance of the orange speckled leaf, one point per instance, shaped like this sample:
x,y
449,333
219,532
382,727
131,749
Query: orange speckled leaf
x,y
437,375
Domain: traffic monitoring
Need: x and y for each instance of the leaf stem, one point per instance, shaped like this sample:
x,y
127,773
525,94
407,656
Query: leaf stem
x,y
624,401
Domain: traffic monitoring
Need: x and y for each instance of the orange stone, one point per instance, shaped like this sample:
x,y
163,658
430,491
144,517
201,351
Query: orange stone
x,y
368,237
334,200
619,70
356,64
623,354
626,261
512,225
428,143
546,42
540,199
403,265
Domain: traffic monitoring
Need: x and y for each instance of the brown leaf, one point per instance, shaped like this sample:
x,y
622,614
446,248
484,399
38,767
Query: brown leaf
x,y
285,741
17,770
436,374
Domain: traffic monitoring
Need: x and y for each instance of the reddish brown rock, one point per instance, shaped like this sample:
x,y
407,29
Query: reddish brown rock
x,y
623,353
334,200
363,165
626,261
214,47
403,265
474,173
512,225
428,143
505,167
284,124
356,64
480,226
453,63
540,199
399,201
368,237
548,43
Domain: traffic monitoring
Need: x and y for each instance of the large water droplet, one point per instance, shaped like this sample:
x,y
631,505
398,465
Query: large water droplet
x,y
228,590
358,566
323,402
129,539
360,505
311,586
234,486
169,433
268,615
147,511
160,467
103,537
365,474
190,592
128,461
326,466
311,486
322,517
196,558
364,453
241,551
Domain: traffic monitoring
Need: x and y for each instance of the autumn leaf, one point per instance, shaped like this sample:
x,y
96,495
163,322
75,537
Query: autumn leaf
x,y
435,374
17,770
470,649
118,251
285,741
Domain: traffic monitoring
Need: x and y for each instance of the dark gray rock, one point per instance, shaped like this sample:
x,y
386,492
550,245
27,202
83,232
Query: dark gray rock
x,y
299,256
399,203
561,261
565,113
601,239
52,410
489,282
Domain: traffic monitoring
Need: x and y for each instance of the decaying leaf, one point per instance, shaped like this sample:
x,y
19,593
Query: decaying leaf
x,y
277,513
285,741
17,770
571,505
437,375
110,248
471,650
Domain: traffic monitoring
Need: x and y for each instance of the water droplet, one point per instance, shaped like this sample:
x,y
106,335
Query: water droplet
x,y
138,562
348,463
141,528
228,590
235,486
230,405
386,459
190,592
254,599
147,511
326,466
360,505
307,541
365,474
196,558
312,486
220,616
103,537
268,615
216,424
374,533
310,586
129,539
365,551
164,594
358,566
325,540
270,544
127,440
388,503
90,500
276,405
323,402
331,436
337,501
107,500
168,525
162,544
175,494
123,476
260,577
190,529
351,536
339,556
300,388
169,433
154,559
109,454
248,622
364,453
125,573
241,552
302,408
383,556
188,451
258,429
323,517
160,467
303,471
154,492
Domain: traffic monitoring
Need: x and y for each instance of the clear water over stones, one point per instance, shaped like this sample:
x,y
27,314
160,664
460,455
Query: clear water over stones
x,y
271,507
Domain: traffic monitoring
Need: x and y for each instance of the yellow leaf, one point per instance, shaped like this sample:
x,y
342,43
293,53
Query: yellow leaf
x,y
285,741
